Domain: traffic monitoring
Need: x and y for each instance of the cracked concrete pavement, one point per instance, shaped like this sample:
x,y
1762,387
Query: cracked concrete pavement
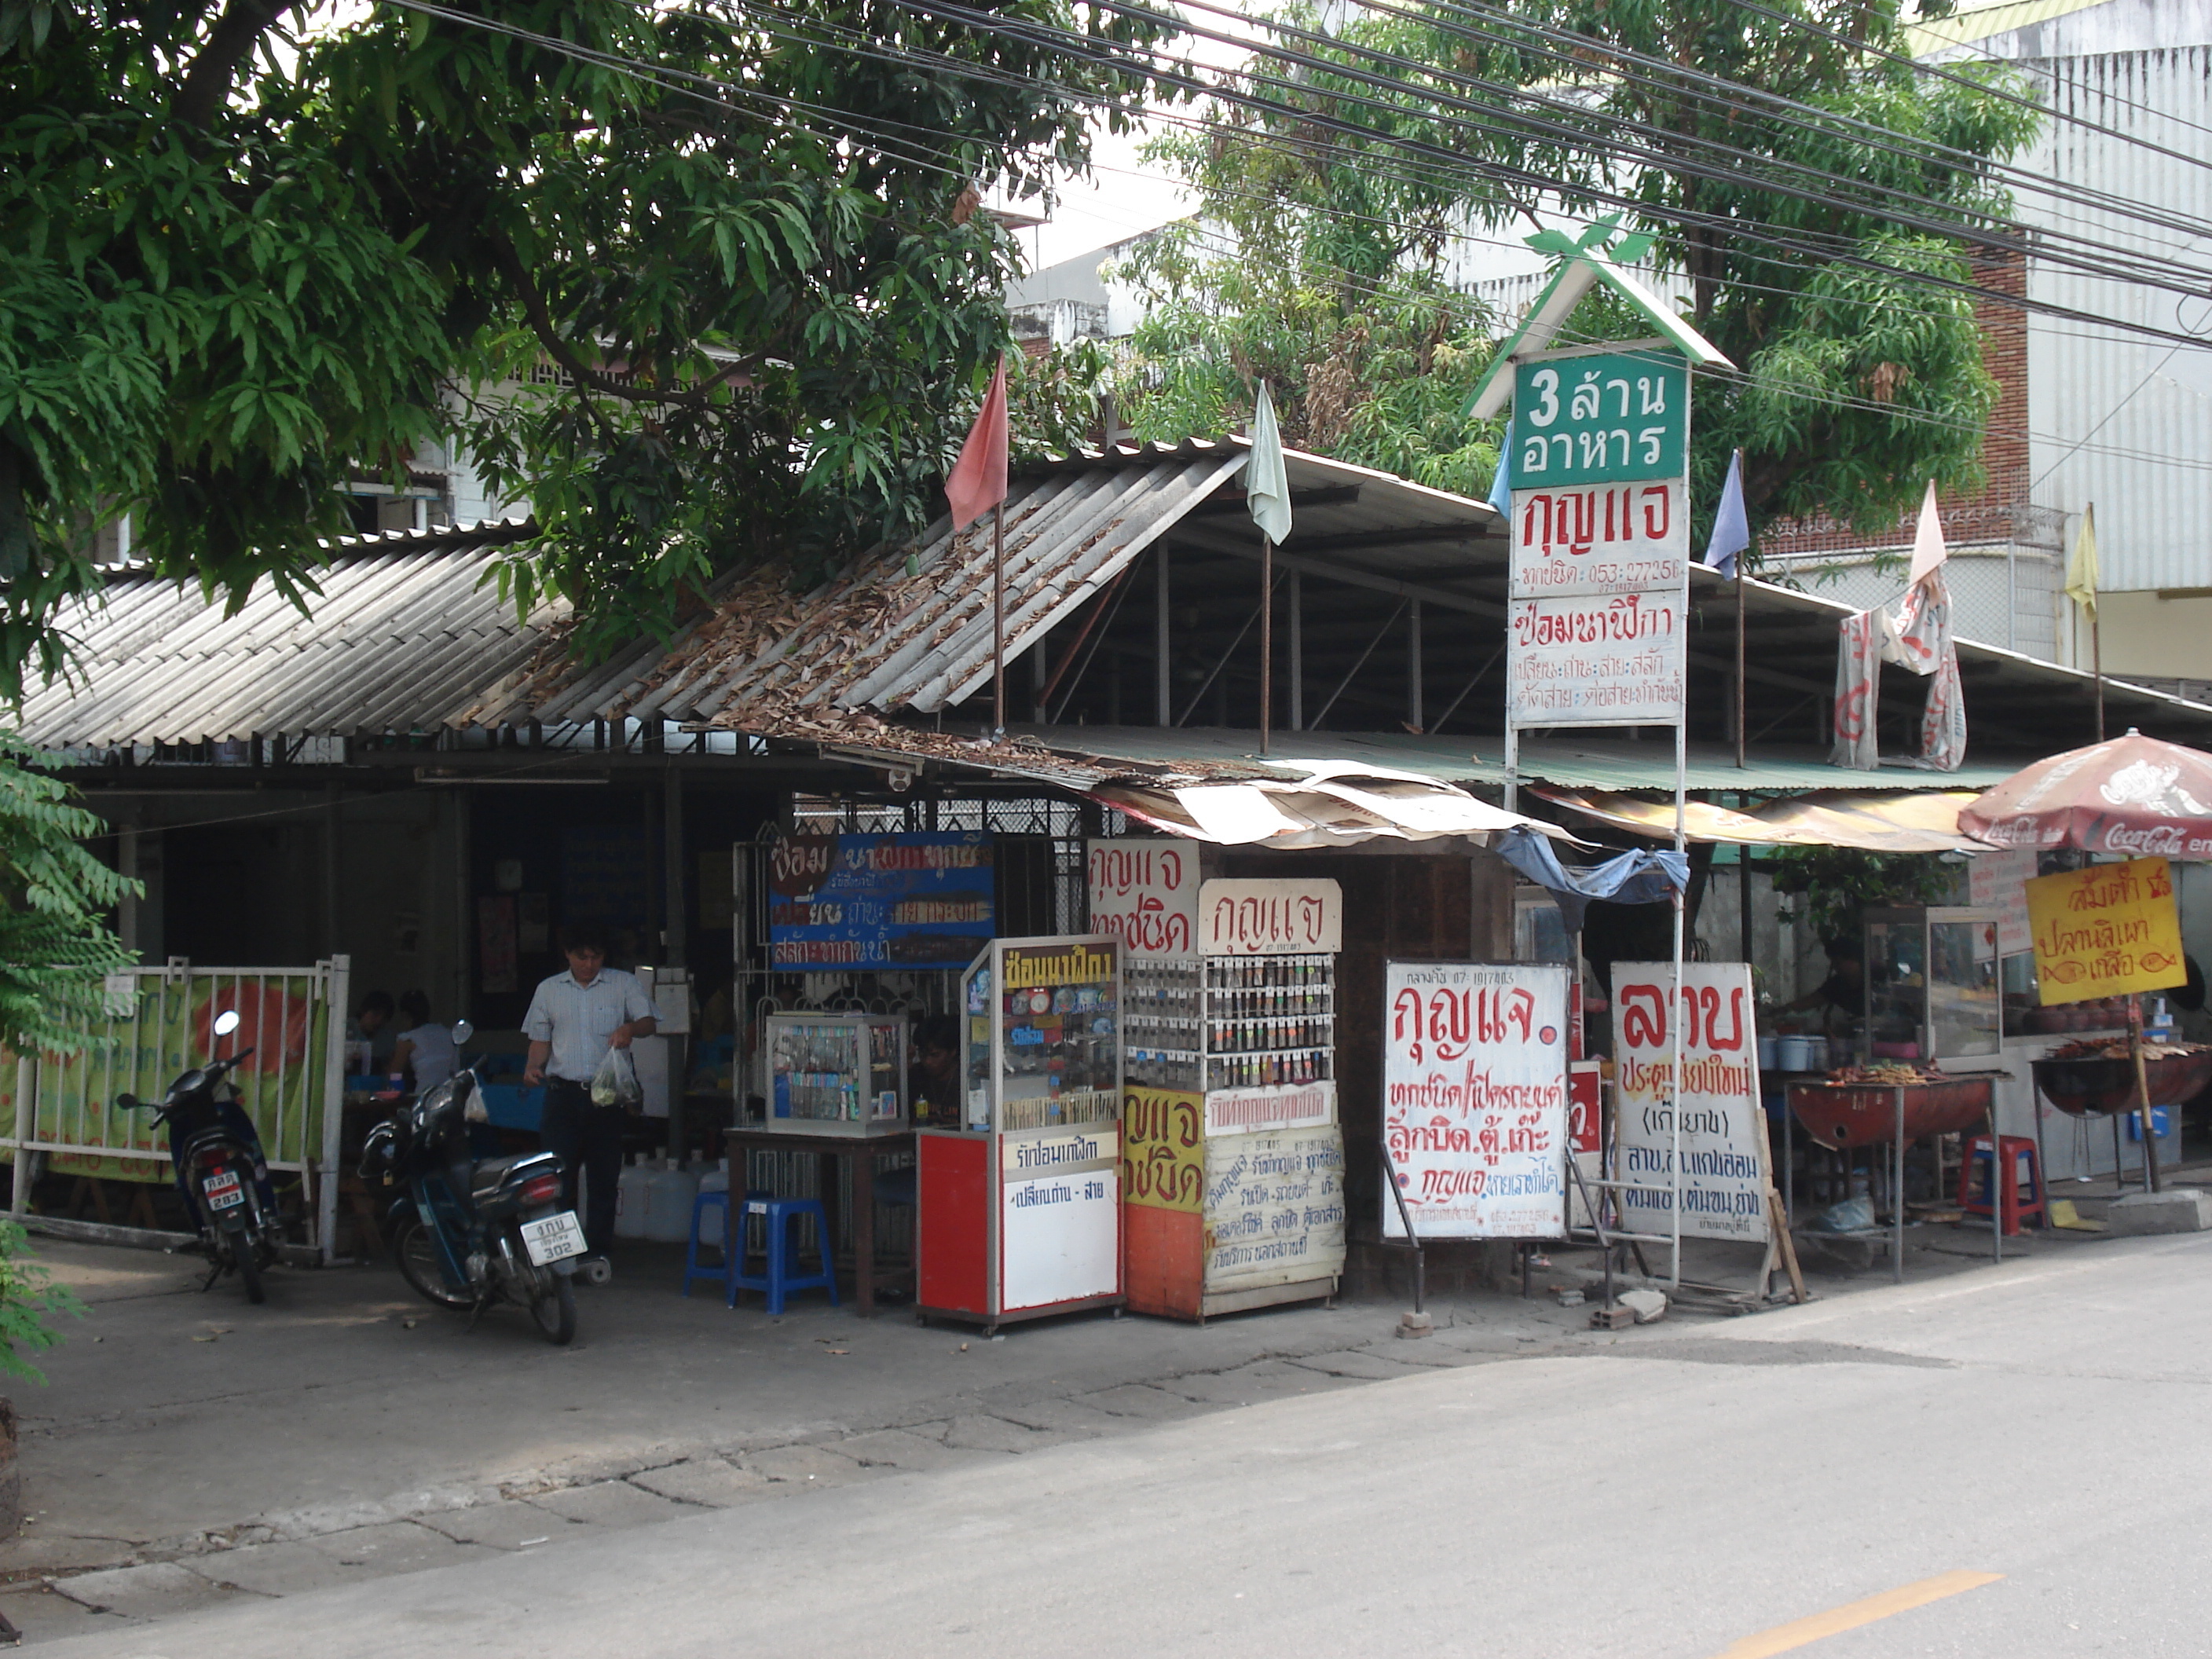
x,y
192,1450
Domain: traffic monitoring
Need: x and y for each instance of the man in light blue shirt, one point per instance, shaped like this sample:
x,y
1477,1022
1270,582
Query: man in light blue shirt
x,y
573,1019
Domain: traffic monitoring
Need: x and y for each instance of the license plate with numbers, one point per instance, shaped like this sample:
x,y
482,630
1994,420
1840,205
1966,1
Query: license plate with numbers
x,y
223,1190
553,1237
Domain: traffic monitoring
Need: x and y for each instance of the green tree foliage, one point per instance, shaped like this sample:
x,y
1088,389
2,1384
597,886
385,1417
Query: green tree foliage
x,y
1320,257
28,1298
55,943
726,257
1834,886
1309,270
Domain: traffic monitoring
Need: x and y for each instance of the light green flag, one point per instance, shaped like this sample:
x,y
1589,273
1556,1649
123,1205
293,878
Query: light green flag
x,y
1267,486
2081,569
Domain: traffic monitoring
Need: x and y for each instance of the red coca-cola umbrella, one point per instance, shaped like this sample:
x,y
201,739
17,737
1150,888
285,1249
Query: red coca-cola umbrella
x,y
2135,796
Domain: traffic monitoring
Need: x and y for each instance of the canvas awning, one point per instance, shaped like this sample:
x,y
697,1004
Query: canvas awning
x,y
1331,804
1915,821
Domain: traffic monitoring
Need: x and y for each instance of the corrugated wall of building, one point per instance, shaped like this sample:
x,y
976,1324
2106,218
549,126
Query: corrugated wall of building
x,y
2117,419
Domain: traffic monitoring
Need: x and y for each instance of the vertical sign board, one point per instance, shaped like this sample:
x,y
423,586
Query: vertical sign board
x,y
2110,930
1599,541
1997,880
1144,892
1474,1097
1060,1225
1724,1179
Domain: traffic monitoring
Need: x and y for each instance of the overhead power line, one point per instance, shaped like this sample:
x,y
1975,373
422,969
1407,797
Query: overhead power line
x,y
689,83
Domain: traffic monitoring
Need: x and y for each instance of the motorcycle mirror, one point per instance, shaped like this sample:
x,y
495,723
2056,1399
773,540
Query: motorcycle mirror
x,y
226,1022
462,1032
128,1102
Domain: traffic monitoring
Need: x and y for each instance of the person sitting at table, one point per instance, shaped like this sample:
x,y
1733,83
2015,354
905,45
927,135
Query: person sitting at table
x,y
373,1025
425,1049
1843,991
933,1073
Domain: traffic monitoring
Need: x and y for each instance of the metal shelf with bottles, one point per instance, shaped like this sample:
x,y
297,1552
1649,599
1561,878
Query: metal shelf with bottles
x,y
1268,1022
1162,1005
1020,1203
837,1074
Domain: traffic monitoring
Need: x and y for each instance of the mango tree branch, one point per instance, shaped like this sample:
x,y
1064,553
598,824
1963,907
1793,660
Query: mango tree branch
x,y
215,67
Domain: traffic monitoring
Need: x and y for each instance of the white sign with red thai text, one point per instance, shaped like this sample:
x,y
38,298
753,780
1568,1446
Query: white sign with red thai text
x,y
1723,1143
1597,660
1997,880
1474,1098
1600,539
1145,893
1270,918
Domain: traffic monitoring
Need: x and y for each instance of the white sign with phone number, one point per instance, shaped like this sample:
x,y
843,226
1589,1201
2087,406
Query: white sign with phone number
x,y
1723,1141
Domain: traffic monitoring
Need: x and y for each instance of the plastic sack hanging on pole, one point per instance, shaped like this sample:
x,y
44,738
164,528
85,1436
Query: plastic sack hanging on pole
x,y
615,1083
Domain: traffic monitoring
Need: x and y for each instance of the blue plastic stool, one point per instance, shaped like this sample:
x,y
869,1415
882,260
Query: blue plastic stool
x,y
781,1277
691,1269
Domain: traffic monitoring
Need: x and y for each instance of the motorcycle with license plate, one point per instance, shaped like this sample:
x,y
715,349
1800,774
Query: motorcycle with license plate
x,y
219,1165
470,1232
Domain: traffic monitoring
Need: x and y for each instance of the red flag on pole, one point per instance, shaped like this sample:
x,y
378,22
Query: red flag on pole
x,y
978,482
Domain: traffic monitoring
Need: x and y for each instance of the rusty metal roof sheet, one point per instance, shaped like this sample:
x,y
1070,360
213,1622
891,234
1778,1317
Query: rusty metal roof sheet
x,y
766,660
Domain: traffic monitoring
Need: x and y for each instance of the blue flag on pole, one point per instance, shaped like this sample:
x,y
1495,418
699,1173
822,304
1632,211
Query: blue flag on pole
x,y
1731,524
1501,487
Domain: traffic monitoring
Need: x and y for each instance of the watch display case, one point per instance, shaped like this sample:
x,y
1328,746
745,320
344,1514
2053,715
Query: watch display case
x,y
837,1074
1021,1204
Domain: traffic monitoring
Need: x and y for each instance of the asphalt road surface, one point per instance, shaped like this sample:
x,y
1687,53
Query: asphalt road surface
x,y
2009,1463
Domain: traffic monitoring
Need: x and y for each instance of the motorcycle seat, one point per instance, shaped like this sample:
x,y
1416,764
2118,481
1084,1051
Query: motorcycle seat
x,y
493,1173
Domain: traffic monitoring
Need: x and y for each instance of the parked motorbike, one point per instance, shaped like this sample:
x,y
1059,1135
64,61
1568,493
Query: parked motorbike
x,y
469,1232
219,1166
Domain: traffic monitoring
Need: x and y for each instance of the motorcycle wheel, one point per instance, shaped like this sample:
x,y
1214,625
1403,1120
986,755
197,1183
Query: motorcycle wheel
x,y
249,1269
416,1253
554,1309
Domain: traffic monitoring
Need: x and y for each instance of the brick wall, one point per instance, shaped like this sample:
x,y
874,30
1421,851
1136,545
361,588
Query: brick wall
x,y
1998,512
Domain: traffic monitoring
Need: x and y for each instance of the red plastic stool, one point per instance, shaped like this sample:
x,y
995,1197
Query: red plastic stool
x,y
2020,1163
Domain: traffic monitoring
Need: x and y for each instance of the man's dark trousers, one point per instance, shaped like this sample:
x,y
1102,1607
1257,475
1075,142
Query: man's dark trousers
x,y
589,1138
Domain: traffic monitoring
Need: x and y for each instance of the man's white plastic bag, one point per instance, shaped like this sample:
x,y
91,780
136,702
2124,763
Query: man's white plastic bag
x,y
615,1083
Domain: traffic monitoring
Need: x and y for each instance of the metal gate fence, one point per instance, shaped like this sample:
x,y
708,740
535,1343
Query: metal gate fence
x,y
161,1023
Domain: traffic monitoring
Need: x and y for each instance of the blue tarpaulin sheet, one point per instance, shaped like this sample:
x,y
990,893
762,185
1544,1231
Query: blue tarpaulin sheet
x,y
1643,876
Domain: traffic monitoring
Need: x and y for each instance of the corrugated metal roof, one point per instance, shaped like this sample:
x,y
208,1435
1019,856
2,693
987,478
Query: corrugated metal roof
x,y
403,635
765,660
408,635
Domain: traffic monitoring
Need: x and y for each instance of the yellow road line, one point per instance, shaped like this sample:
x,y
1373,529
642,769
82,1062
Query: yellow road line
x,y
1800,1632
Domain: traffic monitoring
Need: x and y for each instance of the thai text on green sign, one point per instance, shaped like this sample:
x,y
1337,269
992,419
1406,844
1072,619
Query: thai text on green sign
x,y
1604,418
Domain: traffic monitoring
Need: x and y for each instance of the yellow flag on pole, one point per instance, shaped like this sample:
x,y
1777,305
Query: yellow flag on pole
x,y
2081,568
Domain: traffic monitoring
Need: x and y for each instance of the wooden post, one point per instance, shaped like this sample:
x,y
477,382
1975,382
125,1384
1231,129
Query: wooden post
x,y
1741,702
2151,1182
1267,638
999,619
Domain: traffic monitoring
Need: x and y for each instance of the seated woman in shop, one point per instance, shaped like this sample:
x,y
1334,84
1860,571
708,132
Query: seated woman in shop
x,y
425,1049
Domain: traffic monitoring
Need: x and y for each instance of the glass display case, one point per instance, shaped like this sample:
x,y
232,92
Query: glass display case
x,y
1021,1204
837,1074
1932,988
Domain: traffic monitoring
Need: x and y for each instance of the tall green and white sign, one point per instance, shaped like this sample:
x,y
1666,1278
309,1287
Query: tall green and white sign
x,y
1600,539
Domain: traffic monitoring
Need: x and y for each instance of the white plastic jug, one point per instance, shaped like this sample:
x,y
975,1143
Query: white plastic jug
x,y
715,1179
669,1191
630,1202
